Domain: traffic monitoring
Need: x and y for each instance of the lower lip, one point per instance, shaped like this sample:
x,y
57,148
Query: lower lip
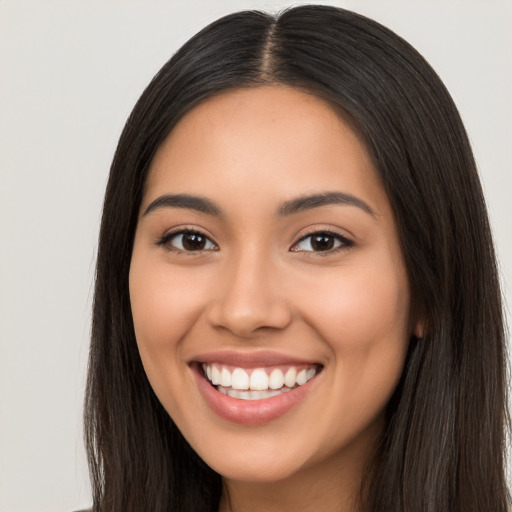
x,y
251,412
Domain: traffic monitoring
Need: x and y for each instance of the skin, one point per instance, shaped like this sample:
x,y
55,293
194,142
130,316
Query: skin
x,y
259,285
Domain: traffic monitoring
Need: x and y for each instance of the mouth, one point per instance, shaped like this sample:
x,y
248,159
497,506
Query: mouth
x,y
257,383
254,389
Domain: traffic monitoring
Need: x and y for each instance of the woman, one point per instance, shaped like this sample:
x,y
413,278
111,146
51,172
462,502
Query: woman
x,y
297,303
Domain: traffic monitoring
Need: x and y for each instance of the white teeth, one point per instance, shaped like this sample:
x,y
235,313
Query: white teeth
x,y
276,379
301,378
257,385
216,376
289,378
249,395
259,380
225,378
239,379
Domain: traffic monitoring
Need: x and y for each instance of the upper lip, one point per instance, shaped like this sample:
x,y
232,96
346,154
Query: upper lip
x,y
253,359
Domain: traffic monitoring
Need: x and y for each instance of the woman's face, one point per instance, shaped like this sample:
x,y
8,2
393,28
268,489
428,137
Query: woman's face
x,y
266,257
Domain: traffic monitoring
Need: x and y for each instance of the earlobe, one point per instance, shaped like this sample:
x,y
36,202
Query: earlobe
x,y
419,331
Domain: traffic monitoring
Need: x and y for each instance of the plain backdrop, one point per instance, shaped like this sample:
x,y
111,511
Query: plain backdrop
x,y
70,72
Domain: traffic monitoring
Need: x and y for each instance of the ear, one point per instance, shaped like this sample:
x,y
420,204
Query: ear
x,y
419,330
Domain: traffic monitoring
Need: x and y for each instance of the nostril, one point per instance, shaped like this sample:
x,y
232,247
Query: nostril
x,y
247,320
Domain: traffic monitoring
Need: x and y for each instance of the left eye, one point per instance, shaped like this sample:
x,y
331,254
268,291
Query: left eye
x,y
321,242
188,241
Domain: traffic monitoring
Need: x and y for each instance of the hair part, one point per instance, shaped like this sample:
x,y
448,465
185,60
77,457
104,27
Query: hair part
x,y
443,447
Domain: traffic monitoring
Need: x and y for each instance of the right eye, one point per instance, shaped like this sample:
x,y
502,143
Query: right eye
x,y
187,241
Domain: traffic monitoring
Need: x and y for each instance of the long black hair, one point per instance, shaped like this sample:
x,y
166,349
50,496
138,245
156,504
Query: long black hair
x,y
443,446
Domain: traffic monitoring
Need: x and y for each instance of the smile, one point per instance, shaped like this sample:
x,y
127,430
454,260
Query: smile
x,y
257,383
254,389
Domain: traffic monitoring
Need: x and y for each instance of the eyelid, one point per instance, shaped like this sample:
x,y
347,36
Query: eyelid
x,y
345,242
169,235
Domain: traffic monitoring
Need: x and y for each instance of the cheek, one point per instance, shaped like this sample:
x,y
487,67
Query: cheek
x,y
163,303
362,314
369,309
165,306
360,306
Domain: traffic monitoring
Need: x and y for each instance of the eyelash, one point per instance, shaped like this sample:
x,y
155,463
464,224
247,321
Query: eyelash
x,y
344,243
164,241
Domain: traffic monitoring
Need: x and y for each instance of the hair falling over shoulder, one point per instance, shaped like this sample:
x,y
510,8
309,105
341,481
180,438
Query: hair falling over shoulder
x,y
444,442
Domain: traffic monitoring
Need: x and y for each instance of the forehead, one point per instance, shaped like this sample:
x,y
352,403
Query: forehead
x,y
272,139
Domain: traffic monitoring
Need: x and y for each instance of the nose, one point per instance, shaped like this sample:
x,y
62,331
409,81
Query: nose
x,y
250,297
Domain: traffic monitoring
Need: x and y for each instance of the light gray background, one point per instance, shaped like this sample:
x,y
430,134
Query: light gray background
x,y
70,72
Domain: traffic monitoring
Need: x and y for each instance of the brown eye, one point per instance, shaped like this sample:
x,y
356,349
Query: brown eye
x,y
321,242
193,242
189,241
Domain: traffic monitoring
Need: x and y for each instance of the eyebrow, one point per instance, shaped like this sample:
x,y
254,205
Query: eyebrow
x,y
326,199
300,204
186,201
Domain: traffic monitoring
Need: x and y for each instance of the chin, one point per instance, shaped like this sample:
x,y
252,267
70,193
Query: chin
x,y
257,471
